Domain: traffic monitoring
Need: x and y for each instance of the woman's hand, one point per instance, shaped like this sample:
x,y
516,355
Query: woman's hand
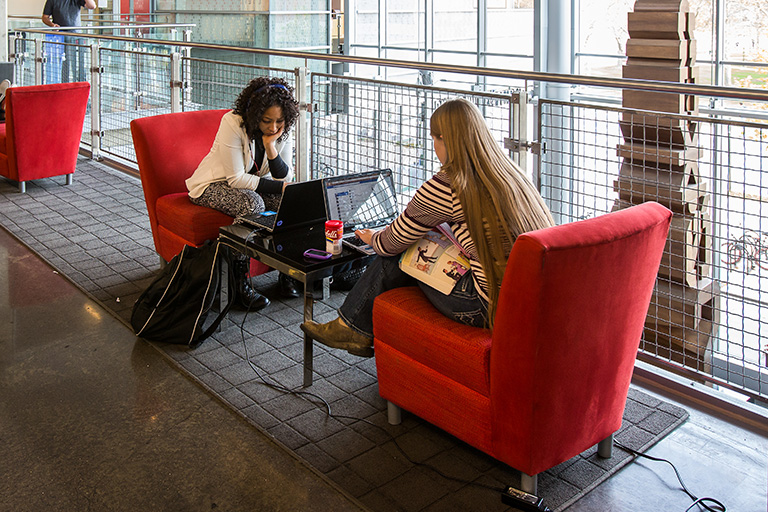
x,y
366,235
270,142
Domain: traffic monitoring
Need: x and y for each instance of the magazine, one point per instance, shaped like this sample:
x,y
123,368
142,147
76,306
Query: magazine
x,y
436,259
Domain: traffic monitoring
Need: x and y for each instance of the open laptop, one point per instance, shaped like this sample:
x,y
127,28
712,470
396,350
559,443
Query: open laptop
x,y
302,204
364,200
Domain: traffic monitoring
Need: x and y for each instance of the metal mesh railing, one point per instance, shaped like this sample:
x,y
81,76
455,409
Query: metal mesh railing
x,y
705,315
705,319
359,124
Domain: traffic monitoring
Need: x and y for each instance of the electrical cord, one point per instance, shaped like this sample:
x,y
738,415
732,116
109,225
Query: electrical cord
x,y
716,506
320,401
701,502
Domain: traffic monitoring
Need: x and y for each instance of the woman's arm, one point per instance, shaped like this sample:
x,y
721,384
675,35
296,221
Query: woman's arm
x,y
432,205
278,165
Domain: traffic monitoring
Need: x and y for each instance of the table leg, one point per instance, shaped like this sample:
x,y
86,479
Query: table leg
x,y
308,312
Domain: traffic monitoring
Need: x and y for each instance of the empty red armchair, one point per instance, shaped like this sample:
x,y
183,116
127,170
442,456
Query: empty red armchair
x,y
552,378
169,147
42,131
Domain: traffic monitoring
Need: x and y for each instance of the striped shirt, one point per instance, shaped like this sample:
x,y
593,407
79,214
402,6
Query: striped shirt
x,y
434,203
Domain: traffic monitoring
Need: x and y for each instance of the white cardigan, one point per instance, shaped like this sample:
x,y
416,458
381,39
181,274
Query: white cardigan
x,y
231,157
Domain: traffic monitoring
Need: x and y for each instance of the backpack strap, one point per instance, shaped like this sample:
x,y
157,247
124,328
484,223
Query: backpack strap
x,y
225,258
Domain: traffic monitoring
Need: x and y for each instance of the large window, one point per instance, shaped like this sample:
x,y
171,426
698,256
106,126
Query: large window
x,y
490,33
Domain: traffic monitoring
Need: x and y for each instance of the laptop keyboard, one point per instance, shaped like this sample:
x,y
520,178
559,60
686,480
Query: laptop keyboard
x,y
356,243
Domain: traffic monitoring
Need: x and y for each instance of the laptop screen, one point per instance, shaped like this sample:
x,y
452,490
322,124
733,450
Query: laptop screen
x,y
361,200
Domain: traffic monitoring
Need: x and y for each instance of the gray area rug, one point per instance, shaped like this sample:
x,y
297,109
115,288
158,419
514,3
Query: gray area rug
x,y
96,233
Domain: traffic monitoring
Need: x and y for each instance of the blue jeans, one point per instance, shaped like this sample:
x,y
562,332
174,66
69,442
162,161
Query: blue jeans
x,y
462,305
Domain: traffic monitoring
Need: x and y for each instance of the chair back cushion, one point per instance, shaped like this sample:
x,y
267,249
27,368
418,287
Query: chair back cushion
x,y
169,147
44,125
570,315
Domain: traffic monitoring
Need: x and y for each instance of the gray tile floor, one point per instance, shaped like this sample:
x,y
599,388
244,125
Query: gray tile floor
x,y
106,250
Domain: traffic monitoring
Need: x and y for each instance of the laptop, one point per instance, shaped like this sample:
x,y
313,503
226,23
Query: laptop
x,y
364,200
302,204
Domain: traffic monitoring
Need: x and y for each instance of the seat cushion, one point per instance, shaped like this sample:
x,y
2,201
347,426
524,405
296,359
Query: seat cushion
x,y
459,352
193,223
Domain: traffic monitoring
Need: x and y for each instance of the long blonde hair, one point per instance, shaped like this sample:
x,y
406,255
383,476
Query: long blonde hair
x,y
498,200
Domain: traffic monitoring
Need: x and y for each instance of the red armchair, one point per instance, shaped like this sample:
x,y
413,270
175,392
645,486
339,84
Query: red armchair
x,y
552,379
42,131
169,148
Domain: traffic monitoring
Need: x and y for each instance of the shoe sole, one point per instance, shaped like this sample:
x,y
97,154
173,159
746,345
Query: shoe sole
x,y
362,352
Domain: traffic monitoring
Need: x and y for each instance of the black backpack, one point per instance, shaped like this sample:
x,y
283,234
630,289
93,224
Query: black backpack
x,y
175,306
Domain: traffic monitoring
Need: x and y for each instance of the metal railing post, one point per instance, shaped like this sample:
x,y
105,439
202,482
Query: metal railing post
x,y
302,126
39,61
176,82
96,71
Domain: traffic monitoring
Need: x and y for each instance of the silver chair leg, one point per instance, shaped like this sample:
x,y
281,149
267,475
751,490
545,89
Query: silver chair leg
x,y
23,187
69,179
605,447
529,483
394,414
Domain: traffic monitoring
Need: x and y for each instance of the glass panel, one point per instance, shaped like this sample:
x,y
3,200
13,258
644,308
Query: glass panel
x,y
746,30
405,24
509,29
455,26
366,23
603,27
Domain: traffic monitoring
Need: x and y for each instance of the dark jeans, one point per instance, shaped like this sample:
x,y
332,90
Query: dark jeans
x,y
462,305
73,68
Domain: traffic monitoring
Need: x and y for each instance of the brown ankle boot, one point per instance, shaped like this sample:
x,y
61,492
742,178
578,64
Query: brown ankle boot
x,y
336,334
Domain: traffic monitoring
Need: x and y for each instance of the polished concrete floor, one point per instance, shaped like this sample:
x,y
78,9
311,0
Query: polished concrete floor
x,y
93,419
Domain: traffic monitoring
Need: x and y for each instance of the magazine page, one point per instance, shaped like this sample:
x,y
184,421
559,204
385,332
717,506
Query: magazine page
x,y
435,260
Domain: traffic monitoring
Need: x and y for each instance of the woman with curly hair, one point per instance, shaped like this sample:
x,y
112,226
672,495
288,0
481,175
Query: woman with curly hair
x,y
249,164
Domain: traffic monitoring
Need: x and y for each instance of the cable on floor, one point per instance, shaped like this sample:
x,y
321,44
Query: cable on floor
x,y
700,502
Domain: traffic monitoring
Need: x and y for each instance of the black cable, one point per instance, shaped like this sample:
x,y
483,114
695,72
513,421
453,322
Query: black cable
x,y
306,395
702,502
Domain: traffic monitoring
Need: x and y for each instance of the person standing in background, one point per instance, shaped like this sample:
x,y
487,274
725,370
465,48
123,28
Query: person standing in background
x,y
66,13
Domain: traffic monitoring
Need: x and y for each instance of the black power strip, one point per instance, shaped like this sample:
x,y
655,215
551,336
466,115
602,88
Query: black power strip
x,y
523,501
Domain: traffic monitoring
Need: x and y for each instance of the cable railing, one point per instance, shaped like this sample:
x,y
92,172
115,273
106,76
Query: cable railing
x,y
705,320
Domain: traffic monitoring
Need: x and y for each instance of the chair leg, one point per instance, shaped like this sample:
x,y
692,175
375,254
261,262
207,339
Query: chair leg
x,y
394,416
529,483
69,179
605,447
23,187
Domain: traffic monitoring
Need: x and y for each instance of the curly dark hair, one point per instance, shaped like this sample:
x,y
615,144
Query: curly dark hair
x,y
260,94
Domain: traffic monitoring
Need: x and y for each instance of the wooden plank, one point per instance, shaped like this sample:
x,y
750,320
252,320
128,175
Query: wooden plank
x,y
645,69
646,153
654,128
669,102
681,51
657,25
678,189
681,306
662,5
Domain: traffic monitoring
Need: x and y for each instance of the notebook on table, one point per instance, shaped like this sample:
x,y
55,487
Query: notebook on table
x,y
364,200
302,204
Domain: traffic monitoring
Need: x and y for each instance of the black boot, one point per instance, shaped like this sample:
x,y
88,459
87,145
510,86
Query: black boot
x,y
246,296
288,286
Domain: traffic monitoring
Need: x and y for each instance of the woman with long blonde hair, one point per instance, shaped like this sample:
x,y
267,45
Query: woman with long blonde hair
x,y
486,200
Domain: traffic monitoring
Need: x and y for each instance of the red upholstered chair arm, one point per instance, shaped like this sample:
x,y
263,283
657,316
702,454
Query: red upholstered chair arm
x,y
460,352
